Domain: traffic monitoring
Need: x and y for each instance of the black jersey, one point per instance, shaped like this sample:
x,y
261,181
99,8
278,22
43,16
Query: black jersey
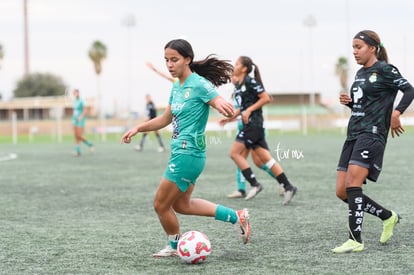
x,y
247,94
373,93
151,110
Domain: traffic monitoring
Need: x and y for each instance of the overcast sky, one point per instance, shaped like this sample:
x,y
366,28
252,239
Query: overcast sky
x,y
291,56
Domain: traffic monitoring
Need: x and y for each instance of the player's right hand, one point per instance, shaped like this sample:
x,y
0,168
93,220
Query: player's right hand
x,y
344,99
126,138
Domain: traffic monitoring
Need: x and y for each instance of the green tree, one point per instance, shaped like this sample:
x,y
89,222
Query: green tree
x,y
341,70
40,84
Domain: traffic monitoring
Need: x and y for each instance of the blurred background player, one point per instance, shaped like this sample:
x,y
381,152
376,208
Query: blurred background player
x,y
78,122
251,96
241,181
160,73
151,113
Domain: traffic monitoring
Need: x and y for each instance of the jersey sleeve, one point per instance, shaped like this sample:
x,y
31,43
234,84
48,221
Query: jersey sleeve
x,y
401,84
207,91
256,86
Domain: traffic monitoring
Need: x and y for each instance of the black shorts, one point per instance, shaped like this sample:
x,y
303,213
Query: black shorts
x,y
252,137
365,152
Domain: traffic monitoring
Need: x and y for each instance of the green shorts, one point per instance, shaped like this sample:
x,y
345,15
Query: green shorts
x,y
78,123
184,170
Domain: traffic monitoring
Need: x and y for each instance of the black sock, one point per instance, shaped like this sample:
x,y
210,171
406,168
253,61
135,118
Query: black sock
x,y
375,209
242,191
356,212
160,141
283,180
143,139
250,177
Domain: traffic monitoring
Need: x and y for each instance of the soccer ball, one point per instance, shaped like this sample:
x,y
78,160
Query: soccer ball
x,y
193,247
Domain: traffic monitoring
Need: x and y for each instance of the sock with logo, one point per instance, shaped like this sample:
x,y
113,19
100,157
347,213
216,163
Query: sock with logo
x,y
355,212
250,177
373,208
283,180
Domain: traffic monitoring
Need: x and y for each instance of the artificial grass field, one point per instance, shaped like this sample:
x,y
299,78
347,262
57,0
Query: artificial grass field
x,y
93,215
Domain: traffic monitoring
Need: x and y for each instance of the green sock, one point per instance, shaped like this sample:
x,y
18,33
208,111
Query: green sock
x,y
241,181
265,168
173,240
87,142
225,214
77,149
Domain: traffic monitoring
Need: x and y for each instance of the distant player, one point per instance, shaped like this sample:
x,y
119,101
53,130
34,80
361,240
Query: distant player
x,y
372,103
78,122
251,96
151,113
190,101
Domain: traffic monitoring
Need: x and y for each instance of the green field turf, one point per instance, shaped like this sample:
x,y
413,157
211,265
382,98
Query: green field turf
x,y
93,215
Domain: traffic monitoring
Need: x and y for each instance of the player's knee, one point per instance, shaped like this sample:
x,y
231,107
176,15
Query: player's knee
x,y
270,163
341,194
159,206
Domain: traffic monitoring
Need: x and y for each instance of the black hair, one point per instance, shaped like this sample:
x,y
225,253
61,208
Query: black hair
x,y
215,70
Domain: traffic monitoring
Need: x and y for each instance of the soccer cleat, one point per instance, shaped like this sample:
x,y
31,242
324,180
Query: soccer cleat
x,y
76,154
254,191
289,195
281,190
92,149
388,227
236,194
138,148
161,149
168,251
243,225
349,246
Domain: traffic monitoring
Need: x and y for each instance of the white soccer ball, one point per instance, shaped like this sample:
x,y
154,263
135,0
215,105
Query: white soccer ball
x,y
194,247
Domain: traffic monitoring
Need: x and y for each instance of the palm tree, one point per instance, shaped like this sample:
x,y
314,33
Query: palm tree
x,y
97,53
341,70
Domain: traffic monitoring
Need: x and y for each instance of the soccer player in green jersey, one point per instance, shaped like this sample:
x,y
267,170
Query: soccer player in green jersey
x,y
188,109
78,122
251,96
371,100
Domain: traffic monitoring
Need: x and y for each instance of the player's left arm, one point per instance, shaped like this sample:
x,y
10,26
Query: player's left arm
x,y
408,97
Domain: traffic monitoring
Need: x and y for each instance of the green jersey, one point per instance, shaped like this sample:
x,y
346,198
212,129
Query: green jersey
x,y
78,106
190,110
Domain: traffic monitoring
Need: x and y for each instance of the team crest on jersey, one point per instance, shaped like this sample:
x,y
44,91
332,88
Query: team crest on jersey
x,y
187,93
243,88
373,78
